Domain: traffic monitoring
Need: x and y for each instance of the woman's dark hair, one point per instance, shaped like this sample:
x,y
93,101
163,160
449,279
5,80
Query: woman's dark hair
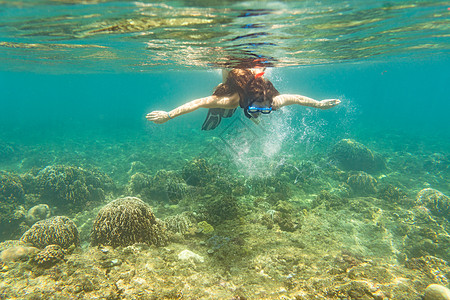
x,y
251,88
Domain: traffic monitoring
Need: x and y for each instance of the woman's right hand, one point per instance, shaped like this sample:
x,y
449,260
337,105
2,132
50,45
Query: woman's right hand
x,y
158,116
328,103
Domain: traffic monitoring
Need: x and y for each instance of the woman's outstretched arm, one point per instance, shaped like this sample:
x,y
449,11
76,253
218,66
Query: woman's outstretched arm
x,y
159,116
287,99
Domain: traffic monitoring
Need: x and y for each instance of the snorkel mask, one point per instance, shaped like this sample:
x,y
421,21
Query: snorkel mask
x,y
263,110
258,102
252,109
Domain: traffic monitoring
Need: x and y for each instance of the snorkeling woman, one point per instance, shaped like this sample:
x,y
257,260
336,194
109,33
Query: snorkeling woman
x,y
245,88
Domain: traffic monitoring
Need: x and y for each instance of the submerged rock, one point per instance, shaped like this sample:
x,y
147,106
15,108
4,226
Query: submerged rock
x,y
354,156
37,213
436,292
126,221
435,201
59,231
18,253
189,255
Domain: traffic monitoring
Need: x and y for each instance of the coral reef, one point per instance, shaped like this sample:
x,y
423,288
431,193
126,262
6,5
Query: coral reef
x,y
392,194
435,201
72,187
183,223
137,167
198,172
165,186
11,188
305,174
126,221
299,227
362,184
353,156
219,208
138,183
329,200
283,218
49,256
168,186
58,230
433,267
438,163
272,188
11,201
421,234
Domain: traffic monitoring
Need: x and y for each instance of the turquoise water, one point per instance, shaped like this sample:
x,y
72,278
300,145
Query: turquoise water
x,y
385,103
78,77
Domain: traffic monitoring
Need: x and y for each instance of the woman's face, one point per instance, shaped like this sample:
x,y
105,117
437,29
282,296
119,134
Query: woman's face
x,y
263,103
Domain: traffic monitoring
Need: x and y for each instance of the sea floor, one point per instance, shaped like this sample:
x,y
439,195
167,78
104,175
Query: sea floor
x,y
314,229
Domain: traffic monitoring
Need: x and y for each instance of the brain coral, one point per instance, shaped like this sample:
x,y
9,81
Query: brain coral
x,y
49,256
126,221
57,230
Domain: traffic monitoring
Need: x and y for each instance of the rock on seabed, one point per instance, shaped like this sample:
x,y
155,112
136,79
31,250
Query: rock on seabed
x,y
436,292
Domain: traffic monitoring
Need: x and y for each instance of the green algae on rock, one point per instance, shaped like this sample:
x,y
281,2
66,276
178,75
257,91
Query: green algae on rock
x,y
354,156
59,231
205,228
126,221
